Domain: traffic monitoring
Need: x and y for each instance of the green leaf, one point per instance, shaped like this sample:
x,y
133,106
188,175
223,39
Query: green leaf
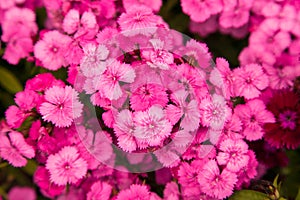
x,y
275,182
249,194
298,195
30,167
9,82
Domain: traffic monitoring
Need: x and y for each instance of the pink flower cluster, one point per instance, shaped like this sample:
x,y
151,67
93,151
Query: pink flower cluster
x,y
139,98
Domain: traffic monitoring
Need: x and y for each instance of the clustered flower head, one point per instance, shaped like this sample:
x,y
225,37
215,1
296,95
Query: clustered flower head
x,y
138,98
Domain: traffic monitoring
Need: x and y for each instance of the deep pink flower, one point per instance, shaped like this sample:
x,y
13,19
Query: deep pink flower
x,y
42,82
206,27
250,80
17,193
233,154
109,81
199,11
152,127
99,190
14,149
138,20
135,191
171,191
215,183
285,132
153,4
61,107
148,95
51,48
253,116
93,62
66,166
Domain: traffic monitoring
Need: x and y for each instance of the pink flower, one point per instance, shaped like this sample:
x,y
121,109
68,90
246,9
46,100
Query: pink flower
x,y
138,20
17,193
124,129
171,191
85,27
214,113
135,191
93,62
215,183
253,116
151,126
233,154
205,28
49,189
14,149
109,81
199,11
66,166
148,95
42,82
99,190
153,4
185,110
51,48
61,107
18,23
250,80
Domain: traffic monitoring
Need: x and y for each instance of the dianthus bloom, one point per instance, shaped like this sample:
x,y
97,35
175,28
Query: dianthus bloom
x,y
61,106
99,190
14,149
51,48
66,166
285,132
215,183
152,127
253,116
140,192
233,155
250,80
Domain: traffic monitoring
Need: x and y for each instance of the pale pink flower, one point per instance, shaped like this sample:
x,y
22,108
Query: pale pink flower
x,y
253,116
185,110
66,166
93,62
135,191
99,190
215,112
152,127
158,57
250,80
61,107
138,20
18,193
215,183
14,149
124,128
199,11
205,28
252,54
109,81
148,95
50,50
233,154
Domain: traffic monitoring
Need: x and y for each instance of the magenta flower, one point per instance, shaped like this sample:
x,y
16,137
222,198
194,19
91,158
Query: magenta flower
x,y
153,4
109,81
99,190
51,48
152,127
233,154
17,193
66,166
148,95
215,183
61,106
253,116
250,80
135,191
14,149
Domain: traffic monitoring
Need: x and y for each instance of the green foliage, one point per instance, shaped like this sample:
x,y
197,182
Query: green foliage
x,y
9,81
249,194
